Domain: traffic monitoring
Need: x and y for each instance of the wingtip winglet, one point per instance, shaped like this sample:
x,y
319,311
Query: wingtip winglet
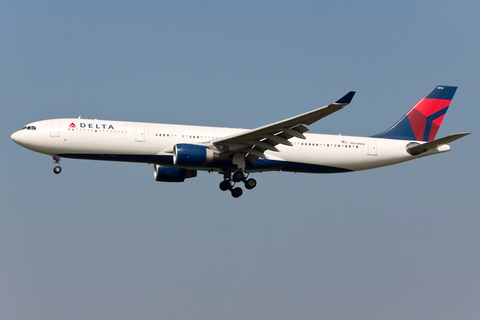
x,y
346,98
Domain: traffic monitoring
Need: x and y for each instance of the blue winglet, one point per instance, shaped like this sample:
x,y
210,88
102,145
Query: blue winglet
x,y
346,98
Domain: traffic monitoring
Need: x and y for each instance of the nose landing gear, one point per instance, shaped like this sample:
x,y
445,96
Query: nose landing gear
x,y
57,169
230,180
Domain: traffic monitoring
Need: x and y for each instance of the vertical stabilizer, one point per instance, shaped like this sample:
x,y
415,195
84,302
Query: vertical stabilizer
x,y
422,122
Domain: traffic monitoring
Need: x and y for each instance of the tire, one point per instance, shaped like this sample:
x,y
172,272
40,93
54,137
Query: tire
x,y
238,176
57,169
250,184
237,192
225,185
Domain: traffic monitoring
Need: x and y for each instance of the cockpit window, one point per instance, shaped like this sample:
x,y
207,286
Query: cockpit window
x,y
29,128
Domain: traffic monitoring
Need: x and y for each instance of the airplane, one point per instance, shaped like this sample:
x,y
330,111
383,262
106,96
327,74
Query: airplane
x,y
177,152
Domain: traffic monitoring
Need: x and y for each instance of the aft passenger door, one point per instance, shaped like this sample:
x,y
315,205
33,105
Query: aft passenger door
x,y
372,147
140,134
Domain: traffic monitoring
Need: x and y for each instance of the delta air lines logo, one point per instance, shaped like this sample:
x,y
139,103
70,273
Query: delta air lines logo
x,y
92,126
426,117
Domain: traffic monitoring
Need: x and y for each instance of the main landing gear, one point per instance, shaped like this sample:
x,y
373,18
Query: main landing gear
x,y
57,169
230,180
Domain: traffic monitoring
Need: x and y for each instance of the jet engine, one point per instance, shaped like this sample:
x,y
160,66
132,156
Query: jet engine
x,y
191,155
172,174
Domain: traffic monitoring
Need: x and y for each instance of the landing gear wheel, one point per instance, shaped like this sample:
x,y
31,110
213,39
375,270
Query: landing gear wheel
x,y
225,185
238,176
237,192
250,184
57,169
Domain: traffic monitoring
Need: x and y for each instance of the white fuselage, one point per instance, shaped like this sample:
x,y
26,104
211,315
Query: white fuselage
x,y
141,142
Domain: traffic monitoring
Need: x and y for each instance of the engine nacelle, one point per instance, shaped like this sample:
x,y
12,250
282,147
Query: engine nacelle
x,y
191,155
172,174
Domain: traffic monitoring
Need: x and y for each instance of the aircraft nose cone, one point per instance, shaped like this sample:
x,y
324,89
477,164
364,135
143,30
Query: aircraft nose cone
x,y
19,138
15,137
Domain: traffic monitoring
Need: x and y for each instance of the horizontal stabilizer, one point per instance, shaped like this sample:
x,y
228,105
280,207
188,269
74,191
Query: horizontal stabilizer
x,y
436,143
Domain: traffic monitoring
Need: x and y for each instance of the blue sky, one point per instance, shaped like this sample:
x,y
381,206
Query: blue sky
x,y
105,241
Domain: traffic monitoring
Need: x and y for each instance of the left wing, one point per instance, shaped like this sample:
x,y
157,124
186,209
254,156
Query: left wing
x,y
256,141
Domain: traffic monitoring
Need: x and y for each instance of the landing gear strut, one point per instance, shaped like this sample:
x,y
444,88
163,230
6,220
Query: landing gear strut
x,y
57,169
230,180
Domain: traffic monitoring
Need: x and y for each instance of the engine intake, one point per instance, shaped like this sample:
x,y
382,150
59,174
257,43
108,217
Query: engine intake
x,y
172,174
192,155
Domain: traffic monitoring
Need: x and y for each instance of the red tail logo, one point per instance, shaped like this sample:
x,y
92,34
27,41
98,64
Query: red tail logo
x,y
422,122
